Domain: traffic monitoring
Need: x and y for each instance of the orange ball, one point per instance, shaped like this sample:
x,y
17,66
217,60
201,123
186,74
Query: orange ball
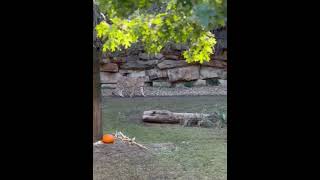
x,y
108,138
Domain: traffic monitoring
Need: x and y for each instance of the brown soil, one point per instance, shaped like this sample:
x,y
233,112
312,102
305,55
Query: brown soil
x,y
121,161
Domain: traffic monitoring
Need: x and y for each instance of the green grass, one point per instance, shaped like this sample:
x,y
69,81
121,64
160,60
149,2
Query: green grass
x,y
201,153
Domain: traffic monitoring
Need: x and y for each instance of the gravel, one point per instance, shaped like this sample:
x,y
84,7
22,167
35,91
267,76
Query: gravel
x,y
178,91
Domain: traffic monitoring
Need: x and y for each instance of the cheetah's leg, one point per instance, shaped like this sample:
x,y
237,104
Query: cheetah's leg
x,y
120,93
115,92
142,91
132,91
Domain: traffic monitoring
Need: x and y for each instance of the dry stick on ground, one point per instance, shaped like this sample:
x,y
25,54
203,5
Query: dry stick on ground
x,y
122,137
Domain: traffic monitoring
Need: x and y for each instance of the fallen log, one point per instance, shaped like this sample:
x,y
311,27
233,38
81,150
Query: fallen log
x,y
160,116
185,119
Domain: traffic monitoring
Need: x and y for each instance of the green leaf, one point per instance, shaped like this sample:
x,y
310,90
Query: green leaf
x,y
184,21
203,14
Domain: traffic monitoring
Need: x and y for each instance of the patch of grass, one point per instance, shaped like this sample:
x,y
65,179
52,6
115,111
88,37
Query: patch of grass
x,y
201,153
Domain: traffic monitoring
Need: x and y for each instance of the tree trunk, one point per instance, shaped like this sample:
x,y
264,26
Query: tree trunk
x,y
97,122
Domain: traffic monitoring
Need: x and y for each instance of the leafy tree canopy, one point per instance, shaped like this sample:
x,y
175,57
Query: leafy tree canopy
x,y
155,23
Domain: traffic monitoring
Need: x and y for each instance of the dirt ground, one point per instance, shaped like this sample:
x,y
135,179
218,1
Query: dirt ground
x,y
121,161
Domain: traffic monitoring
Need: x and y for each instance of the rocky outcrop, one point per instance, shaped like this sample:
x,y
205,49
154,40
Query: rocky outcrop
x,y
107,77
109,67
200,82
184,74
216,63
165,69
109,86
133,65
161,84
135,74
156,74
146,56
149,63
209,72
223,83
167,64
